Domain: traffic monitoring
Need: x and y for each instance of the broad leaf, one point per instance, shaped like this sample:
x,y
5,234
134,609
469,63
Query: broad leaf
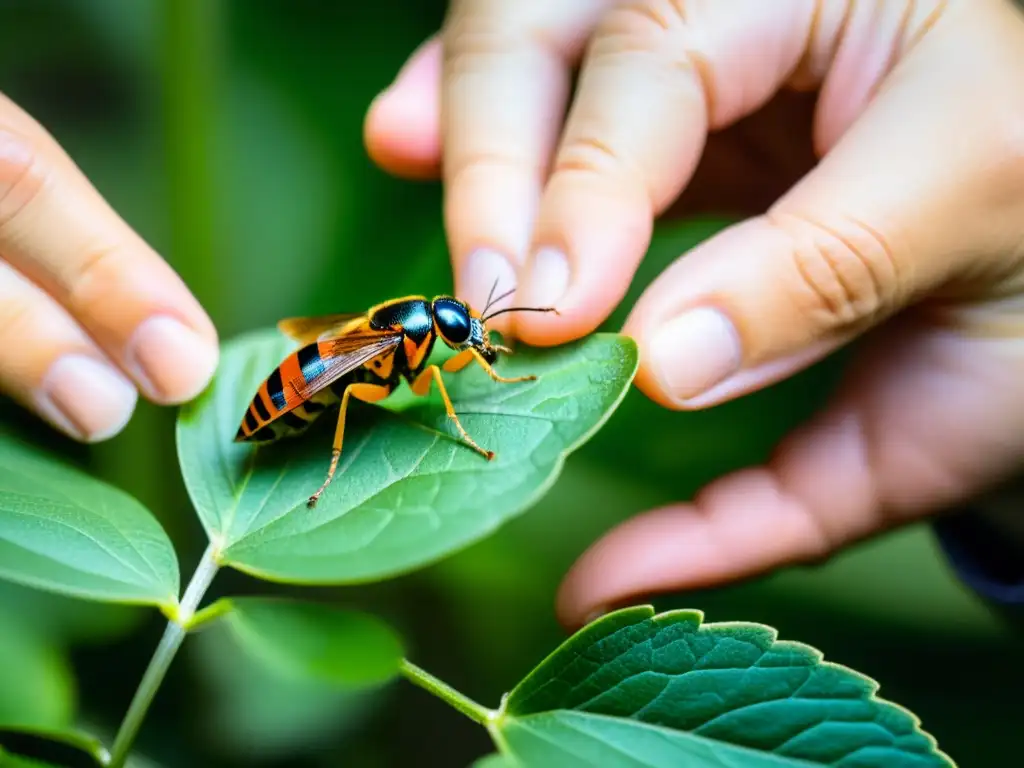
x,y
37,688
64,531
730,682
256,714
312,641
566,739
408,492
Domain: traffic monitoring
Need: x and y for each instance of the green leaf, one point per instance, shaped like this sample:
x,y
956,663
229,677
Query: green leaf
x,y
408,492
495,761
730,682
257,715
305,640
37,688
566,739
66,746
64,531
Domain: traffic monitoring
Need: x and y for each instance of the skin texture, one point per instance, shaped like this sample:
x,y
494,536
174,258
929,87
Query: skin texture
x,y
876,150
89,314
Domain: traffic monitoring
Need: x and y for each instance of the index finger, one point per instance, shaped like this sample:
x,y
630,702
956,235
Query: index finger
x,y
505,85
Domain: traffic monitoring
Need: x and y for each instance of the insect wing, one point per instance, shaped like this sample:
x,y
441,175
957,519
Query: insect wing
x,y
346,354
306,329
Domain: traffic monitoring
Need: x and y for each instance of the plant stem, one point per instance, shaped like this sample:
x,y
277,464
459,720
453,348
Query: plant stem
x,y
475,712
162,657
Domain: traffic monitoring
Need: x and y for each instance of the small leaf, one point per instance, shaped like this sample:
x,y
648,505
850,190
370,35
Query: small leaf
x,y
730,682
495,761
305,640
64,531
257,715
66,746
37,689
408,492
569,739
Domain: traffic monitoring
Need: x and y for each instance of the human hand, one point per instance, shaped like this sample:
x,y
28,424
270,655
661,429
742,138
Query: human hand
x,y
88,312
909,232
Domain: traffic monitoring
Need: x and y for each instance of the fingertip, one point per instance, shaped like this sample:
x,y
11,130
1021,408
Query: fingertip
x,y
402,130
85,397
623,563
589,244
171,362
402,137
721,536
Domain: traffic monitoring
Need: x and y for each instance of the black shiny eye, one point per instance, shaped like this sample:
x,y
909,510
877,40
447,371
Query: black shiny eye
x,y
452,320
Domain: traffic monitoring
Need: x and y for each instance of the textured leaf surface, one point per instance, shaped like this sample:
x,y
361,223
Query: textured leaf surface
x,y
408,492
566,739
62,530
729,682
316,641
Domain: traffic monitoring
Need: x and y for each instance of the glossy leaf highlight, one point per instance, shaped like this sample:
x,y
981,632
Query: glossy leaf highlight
x,y
64,531
313,641
734,683
408,491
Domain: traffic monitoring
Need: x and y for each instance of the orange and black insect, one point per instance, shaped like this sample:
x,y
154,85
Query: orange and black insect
x,y
365,356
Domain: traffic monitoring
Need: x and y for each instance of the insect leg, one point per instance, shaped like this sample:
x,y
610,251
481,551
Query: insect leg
x,y
467,356
421,386
368,393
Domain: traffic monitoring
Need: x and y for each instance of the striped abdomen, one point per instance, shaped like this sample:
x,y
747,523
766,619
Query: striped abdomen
x,y
277,410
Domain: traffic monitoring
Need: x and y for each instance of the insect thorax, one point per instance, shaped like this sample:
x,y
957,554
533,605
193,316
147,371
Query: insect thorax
x,y
412,316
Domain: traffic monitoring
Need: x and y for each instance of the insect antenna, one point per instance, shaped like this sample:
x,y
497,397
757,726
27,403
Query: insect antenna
x,y
491,303
490,295
519,309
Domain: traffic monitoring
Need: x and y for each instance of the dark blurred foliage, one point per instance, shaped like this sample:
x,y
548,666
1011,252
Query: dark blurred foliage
x,y
230,136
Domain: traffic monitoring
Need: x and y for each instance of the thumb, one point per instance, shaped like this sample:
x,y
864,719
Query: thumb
x,y
908,200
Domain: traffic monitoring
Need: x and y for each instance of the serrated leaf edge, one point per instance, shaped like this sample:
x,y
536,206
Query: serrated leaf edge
x,y
647,612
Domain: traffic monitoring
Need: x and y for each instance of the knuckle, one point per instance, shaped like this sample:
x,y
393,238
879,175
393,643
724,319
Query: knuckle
x,y
93,274
645,26
846,273
484,166
23,177
661,29
17,314
485,28
586,154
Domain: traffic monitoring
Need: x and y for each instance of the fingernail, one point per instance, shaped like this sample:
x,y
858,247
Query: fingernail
x,y
481,270
172,363
549,277
87,398
694,352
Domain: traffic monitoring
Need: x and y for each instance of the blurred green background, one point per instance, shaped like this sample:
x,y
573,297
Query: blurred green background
x,y
229,134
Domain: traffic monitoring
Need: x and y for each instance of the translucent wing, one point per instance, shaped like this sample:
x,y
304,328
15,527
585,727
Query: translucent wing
x,y
306,329
340,356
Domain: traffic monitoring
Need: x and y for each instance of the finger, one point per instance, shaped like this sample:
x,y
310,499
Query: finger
x,y
51,367
403,124
506,79
844,250
928,417
57,231
656,79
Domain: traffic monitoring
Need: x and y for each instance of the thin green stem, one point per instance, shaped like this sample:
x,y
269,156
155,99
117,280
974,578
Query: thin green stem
x,y
162,658
475,712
